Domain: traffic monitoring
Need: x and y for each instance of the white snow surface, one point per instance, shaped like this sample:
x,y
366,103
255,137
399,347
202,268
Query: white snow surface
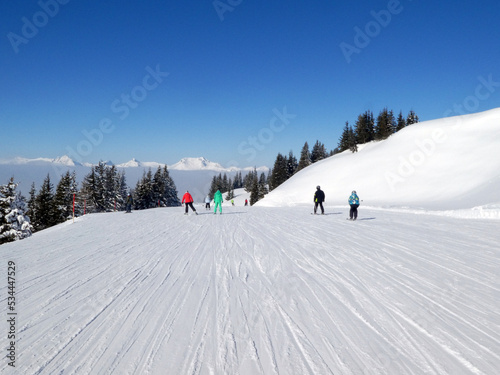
x,y
446,164
257,290
411,287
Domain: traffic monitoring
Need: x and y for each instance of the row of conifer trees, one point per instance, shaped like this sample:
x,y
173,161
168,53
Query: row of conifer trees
x,y
103,189
366,129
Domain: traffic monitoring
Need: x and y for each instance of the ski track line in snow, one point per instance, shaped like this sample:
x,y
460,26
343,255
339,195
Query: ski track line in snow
x,y
258,291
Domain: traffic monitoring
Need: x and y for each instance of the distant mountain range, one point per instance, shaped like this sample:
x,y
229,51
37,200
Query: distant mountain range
x,y
193,174
63,160
185,164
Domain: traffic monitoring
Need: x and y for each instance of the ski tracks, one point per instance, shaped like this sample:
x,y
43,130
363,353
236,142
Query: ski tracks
x,y
259,291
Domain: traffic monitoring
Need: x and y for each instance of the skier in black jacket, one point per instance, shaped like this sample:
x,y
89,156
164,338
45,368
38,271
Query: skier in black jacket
x,y
319,198
128,203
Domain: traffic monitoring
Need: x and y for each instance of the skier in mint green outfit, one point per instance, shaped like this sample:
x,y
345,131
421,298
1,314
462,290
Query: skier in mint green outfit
x,y
218,201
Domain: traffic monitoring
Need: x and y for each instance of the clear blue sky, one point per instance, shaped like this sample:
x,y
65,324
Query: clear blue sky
x,y
246,79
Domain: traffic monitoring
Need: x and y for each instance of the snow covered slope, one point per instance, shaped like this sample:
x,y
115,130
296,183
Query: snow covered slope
x,y
451,163
256,290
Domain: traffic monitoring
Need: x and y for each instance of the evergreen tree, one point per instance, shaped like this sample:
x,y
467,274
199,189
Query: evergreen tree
x,y
292,165
237,181
63,198
170,196
351,140
248,181
155,190
31,211
159,187
344,138
213,187
318,152
102,187
412,118
230,192
392,122
305,157
364,128
385,124
144,193
225,183
262,186
219,183
121,190
401,122
240,180
45,210
113,189
254,193
92,192
280,172
14,223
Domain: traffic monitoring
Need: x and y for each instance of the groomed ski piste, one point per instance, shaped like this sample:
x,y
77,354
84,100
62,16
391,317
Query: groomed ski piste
x,y
411,287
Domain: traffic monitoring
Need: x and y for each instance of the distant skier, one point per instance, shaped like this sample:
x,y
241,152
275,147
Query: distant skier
x,y
354,203
232,202
319,198
218,201
188,199
246,202
207,202
128,203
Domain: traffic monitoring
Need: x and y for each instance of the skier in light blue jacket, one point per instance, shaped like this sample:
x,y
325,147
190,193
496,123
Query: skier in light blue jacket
x,y
354,203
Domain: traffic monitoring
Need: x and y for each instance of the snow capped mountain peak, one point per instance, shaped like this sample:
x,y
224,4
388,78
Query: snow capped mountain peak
x,y
131,163
134,163
63,160
187,164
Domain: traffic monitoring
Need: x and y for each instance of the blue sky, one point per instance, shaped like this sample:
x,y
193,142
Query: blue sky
x,y
235,81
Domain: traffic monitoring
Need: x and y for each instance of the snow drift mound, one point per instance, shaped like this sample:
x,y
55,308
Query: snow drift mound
x,y
443,164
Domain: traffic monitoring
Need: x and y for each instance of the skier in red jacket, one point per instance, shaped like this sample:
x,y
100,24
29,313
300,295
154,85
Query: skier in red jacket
x,y
188,199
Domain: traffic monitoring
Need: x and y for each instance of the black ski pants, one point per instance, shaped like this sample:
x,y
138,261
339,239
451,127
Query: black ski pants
x,y
320,205
189,204
353,213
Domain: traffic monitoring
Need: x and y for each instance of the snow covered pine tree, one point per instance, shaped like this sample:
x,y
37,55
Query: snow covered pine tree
x,y
14,224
